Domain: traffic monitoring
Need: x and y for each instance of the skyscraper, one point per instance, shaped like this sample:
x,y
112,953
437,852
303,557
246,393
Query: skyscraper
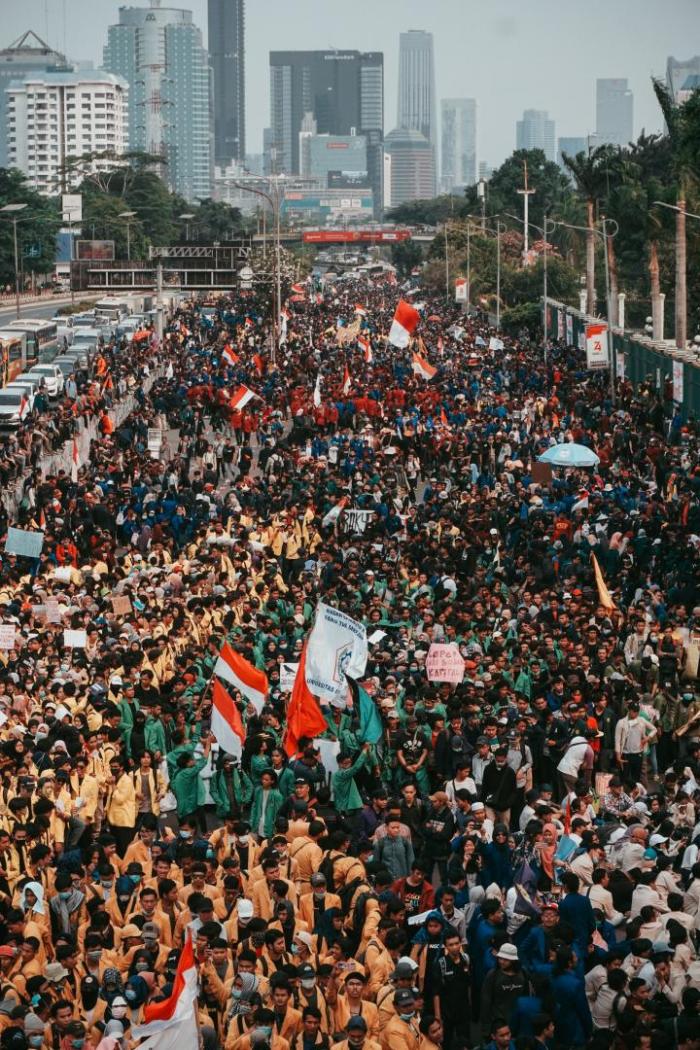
x,y
227,60
614,105
158,51
536,131
682,76
458,133
343,91
28,54
416,106
65,113
411,166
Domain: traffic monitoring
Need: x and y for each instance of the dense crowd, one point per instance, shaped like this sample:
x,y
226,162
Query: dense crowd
x,y
508,861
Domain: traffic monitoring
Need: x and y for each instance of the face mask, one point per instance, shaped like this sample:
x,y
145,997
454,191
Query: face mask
x,y
77,1044
309,984
129,994
407,1017
120,1011
135,879
106,885
294,949
36,1040
263,1032
236,993
65,895
95,955
185,834
243,839
141,967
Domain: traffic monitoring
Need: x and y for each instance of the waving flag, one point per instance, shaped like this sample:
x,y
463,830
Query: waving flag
x,y
284,317
336,647
241,674
298,289
361,310
304,716
366,347
174,1015
75,460
229,356
404,324
347,382
226,721
241,397
317,391
370,730
604,596
334,513
423,368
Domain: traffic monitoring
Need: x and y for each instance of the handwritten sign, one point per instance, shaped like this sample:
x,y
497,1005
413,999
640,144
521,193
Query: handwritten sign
x,y
53,611
75,639
121,605
7,635
444,663
27,544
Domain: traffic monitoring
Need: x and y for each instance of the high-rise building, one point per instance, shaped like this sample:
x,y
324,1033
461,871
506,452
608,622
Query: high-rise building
x,y
458,133
412,166
572,146
28,54
682,76
536,131
342,91
339,154
56,115
159,52
227,60
614,106
416,101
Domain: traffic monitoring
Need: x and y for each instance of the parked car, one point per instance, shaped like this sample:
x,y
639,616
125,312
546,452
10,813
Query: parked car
x,y
51,375
14,407
28,387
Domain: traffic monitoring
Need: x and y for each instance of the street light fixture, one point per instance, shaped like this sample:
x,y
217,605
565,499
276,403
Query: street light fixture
x,y
128,215
12,210
549,227
185,217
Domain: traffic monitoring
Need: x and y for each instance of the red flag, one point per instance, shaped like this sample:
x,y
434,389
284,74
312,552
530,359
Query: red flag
x,y
226,721
346,380
567,817
304,716
443,417
259,363
184,990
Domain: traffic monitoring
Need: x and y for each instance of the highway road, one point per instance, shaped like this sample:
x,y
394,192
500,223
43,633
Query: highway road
x,y
36,309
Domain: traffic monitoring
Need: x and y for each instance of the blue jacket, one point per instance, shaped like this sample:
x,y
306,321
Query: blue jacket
x,y
576,910
533,952
572,1018
527,1007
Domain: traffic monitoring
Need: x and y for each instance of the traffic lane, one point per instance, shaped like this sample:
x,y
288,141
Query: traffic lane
x,y
40,310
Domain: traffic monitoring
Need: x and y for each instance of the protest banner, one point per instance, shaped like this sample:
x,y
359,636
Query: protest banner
x,y
444,663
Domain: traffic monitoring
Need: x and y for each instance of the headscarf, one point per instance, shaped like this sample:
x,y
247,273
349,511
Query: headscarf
x,y
38,890
111,976
137,990
63,908
249,986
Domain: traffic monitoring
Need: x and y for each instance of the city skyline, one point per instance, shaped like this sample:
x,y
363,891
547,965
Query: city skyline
x,y
312,25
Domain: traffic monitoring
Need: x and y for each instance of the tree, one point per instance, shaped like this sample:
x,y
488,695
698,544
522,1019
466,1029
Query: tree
x,y
586,171
215,221
429,212
546,178
405,255
681,127
37,227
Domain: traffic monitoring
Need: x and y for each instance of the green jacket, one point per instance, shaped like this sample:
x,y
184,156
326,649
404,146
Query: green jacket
x,y
155,735
241,788
188,788
274,803
345,794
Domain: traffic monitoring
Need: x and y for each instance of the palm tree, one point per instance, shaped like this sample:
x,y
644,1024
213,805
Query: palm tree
x,y
586,171
681,153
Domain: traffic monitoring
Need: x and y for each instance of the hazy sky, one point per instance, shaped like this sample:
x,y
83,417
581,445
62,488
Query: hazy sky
x,y
509,55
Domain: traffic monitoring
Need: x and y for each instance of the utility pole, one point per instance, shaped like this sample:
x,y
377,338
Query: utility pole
x,y
159,300
525,193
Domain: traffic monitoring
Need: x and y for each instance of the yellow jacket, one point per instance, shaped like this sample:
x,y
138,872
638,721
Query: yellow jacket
x,y
120,808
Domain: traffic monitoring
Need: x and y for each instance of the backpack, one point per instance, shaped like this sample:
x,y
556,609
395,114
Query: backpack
x,y
327,868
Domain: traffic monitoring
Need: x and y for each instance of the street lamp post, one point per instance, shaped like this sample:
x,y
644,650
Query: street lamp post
x,y
544,231
680,335
128,215
447,265
604,234
185,217
499,226
12,210
274,202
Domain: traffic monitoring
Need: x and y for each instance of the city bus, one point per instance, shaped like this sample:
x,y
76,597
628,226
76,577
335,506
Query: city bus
x,y
13,355
42,338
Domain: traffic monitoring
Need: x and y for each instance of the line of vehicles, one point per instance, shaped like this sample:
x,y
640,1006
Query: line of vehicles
x,y
39,355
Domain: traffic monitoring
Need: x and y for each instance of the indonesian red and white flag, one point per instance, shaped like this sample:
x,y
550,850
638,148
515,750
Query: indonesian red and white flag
x,y
347,382
366,348
241,397
229,356
171,1022
334,513
441,346
241,674
298,289
581,503
423,368
249,322
317,391
74,460
23,406
404,324
226,721
361,310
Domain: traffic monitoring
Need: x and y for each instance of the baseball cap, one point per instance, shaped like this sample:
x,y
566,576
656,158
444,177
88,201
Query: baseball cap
x,y
404,997
356,1023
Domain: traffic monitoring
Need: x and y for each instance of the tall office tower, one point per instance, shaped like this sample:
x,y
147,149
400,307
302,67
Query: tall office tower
x,y
159,52
411,165
458,132
536,131
416,106
682,76
227,61
28,54
572,146
614,106
59,114
342,91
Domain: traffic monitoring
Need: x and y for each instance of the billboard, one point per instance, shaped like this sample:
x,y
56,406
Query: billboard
x,y
102,251
597,355
461,290
72,207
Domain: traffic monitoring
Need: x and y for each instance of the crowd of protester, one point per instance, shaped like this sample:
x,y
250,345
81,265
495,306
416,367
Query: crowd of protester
x,y
513,861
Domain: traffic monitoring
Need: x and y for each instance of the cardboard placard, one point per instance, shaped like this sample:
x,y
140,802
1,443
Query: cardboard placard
x,y
288,673
7,635
64,573
53,611
24,543
444,663
541,473
75,639
121,605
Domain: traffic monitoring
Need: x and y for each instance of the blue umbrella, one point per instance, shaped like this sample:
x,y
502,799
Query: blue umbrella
x,y
570,455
